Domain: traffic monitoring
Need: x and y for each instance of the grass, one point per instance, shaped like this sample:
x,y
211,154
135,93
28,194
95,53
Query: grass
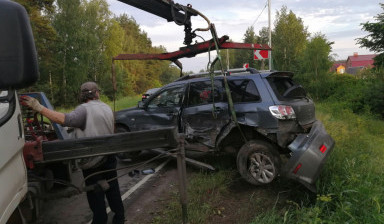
x,y
205,191
122,103
351,187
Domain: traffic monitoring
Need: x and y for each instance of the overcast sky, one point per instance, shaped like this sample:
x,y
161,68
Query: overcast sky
x,y
339,20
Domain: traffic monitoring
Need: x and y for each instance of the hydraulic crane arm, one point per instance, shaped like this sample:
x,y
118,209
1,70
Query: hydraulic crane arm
x,y
161,8
170,11
193,50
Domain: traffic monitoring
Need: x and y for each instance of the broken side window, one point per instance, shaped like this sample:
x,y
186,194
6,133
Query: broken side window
x,y
201,93
243,91
285,88
168,98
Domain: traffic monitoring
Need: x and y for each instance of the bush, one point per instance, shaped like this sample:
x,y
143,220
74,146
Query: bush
x,y
363,93
320,87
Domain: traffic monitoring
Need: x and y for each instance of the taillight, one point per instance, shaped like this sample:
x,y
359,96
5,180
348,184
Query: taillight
x,y
323,148
297,168
282,112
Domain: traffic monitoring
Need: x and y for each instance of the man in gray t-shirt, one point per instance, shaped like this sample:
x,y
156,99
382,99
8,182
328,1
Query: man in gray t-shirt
x,y
91,118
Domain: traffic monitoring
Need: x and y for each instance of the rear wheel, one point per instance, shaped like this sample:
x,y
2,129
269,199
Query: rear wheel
x,y
258,162
125,156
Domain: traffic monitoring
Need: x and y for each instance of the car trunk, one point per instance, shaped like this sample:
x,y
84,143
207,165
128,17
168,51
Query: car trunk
x,y
304,110
290,94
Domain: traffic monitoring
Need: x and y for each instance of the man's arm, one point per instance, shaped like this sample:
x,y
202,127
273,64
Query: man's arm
x,y
34,104
54,116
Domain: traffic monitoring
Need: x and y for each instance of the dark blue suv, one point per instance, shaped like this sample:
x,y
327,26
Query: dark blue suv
x,y
274,118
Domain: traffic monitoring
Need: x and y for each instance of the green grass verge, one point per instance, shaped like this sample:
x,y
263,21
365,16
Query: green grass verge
x,y
205,190
351,187
122,103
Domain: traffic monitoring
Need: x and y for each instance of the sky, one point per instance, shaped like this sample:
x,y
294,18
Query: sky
x,y
340,21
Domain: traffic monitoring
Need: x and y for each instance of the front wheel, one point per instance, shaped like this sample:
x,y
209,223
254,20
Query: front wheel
x,y
258,162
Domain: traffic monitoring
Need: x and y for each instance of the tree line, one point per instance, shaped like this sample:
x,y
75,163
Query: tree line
x,y
310,57
76,40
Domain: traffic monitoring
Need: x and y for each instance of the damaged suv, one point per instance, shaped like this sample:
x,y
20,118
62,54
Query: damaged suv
x,y
272,119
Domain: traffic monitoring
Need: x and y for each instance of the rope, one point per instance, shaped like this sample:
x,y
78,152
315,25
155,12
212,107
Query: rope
x,y
227,90
134,166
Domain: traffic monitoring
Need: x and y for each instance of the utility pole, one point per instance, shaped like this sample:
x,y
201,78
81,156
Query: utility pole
x,y
270,35
227,60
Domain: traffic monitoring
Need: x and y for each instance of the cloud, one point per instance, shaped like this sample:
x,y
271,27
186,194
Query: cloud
x,y
338,20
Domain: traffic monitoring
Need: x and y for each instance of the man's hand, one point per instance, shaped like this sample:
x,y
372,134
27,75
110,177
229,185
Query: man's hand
x,y
32,103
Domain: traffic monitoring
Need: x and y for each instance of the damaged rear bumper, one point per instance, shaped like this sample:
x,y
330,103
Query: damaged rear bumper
x,y
309,154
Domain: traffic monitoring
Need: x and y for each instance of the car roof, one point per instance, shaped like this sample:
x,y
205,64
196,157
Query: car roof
x,y
241,72
152,91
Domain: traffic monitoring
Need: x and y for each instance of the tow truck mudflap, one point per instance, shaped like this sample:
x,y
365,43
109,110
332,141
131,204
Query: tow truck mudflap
x,y
309,154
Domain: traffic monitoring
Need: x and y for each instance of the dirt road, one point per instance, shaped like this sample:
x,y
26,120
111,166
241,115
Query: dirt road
x,y
146,197
73,208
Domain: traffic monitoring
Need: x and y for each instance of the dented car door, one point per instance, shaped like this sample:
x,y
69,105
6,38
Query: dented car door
x,y
205,113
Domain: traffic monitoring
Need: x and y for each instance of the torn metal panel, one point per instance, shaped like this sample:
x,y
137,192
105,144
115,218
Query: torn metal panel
x,y
309,154
205,135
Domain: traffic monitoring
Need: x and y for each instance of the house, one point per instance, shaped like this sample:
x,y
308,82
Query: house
x,y
357,62
339,67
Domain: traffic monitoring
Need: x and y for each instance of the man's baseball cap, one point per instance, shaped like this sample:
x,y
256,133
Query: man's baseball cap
x,y
89,86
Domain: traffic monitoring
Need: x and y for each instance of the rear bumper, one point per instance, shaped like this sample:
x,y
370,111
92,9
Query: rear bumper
x,y
309,154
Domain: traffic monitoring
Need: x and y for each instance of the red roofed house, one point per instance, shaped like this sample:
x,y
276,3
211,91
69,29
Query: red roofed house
x,y
358,62
339,67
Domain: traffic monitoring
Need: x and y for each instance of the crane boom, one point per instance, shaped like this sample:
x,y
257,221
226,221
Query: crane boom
x,y
161,8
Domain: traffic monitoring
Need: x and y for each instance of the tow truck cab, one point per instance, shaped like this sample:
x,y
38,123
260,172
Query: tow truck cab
x,y
18,69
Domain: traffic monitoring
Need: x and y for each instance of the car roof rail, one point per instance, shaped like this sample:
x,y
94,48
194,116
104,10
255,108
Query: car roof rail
x,y
218,72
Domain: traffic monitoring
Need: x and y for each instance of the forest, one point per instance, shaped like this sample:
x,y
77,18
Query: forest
x,y
76,40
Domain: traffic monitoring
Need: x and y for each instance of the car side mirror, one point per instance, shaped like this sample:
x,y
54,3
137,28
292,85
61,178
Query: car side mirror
x,y
140,105
18,57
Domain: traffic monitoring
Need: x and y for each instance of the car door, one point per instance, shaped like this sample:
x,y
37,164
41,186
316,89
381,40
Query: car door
x,y
162,110
205,113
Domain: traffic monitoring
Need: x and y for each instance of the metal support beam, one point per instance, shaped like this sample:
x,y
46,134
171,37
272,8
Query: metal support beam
x,y
181,168
270,35
109,144
188,160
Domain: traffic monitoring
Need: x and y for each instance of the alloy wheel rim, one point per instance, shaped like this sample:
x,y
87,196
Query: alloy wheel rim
x,y
261,167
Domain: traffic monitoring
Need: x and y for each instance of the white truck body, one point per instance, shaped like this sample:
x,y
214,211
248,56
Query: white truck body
x,y
13,174
18,69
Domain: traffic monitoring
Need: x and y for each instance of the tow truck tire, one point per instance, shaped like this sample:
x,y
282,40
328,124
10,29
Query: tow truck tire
x,y
125,156
258,162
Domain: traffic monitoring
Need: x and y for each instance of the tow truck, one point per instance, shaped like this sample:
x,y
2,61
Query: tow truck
x,y
26,152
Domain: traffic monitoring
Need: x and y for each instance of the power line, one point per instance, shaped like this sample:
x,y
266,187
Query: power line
x,y
265,6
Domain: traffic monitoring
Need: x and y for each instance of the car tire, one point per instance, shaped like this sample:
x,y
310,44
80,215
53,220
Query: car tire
x,y
125,156
258,162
